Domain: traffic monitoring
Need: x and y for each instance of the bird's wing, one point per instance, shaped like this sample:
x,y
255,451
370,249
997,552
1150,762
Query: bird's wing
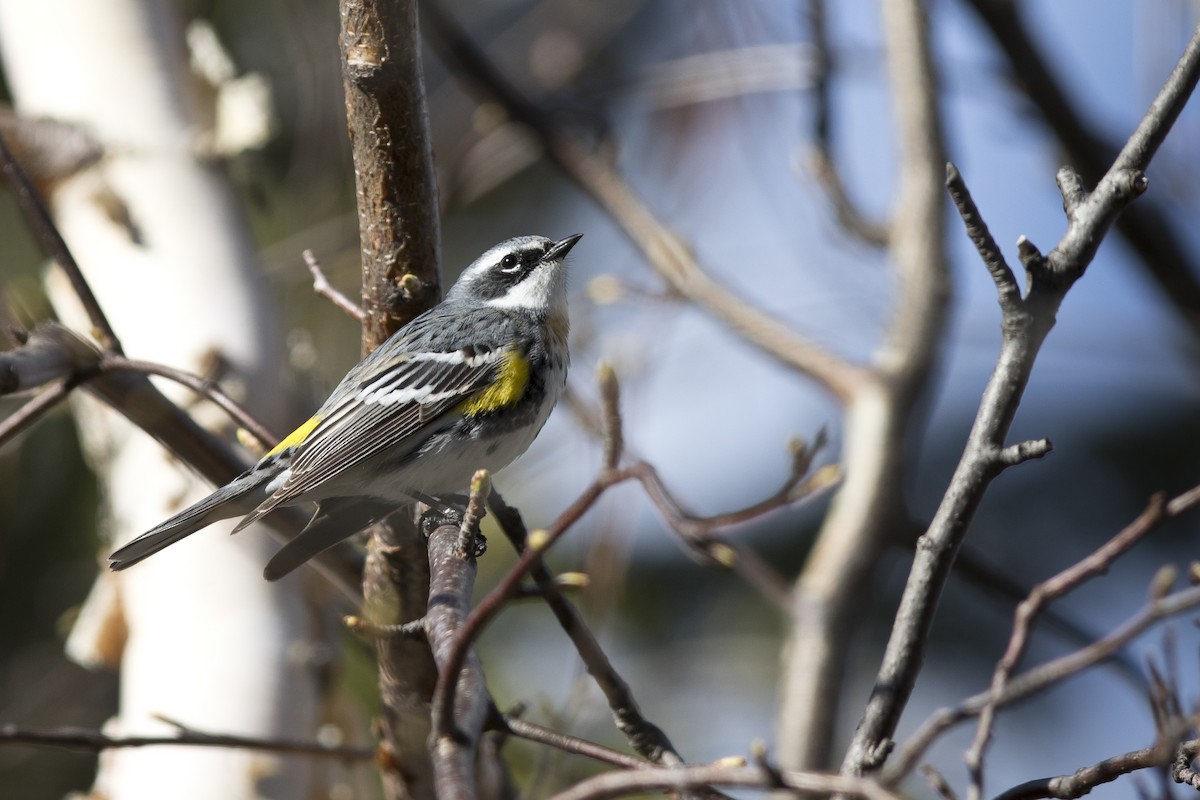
x,y
392,409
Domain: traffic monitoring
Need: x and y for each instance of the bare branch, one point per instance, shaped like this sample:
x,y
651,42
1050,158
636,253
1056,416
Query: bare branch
x,y
37,214
42,357
660,779
324,288
1024,332
1084,780
883,419
663,249
87,739
457,725
644,736
568,744
1040,678
977,231
821,159
1029,609
396,193
33,410
1160,245
54,352
393,165
201,386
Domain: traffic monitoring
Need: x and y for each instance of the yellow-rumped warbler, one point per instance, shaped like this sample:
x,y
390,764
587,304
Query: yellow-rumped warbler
x,y
467,385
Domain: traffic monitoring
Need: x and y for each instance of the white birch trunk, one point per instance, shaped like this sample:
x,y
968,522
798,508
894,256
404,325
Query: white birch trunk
x,y
210,643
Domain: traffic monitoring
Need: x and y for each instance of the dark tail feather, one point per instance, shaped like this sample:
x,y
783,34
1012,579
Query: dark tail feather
x,y
232,500
336,519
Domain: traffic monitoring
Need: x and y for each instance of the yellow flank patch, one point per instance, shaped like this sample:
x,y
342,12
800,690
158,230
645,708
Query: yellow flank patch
x,y
297,436
508,387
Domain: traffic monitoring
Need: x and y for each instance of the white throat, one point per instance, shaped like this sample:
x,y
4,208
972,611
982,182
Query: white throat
x,y
544,289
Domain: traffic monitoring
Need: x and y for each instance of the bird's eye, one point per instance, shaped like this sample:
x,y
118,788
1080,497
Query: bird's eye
x,y
509,263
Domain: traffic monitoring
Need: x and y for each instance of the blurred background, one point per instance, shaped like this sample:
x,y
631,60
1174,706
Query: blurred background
x,y
708,109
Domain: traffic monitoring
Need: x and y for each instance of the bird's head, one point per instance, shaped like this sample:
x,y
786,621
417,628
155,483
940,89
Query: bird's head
x,y
522,273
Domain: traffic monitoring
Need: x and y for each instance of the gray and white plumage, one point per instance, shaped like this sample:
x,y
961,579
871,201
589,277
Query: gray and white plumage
x,y
465,386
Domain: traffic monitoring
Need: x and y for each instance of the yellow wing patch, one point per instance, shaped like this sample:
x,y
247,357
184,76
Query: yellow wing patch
x,y
297,436
510,384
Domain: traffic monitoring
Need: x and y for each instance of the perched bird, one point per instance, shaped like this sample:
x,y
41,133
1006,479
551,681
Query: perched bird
x,y
465,386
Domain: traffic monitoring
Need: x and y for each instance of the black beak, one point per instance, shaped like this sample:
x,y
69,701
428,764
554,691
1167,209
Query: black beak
x,y
560,248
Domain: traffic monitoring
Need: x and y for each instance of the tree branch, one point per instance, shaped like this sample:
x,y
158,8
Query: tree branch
x,y
884,417
87,739
1023,334
457,725
1084,780
1038,679
396,194
1029,609
669,255
38,216
621,784
1161,248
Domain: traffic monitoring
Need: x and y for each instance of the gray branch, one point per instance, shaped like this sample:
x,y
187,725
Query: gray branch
x,y
1024,330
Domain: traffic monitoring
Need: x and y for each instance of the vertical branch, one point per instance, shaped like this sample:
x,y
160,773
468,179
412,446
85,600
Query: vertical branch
x,y
882,415
396,193
395,184
1025,327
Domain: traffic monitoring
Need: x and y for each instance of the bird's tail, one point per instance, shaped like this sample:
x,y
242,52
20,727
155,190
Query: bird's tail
x,y
234,499
336,519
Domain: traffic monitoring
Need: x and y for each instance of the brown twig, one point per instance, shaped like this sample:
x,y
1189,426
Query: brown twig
x,y
668,779
324,288
1084,780
644,736
396,192
204,387
1038,679
87,739
53,352
34,409
821,159
573,745
37,214
1066,581
456,727
663,249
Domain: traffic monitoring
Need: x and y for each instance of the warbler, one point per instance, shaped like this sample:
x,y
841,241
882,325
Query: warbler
x,y
465,386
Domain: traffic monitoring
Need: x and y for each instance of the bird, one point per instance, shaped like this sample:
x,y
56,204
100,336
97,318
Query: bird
x,y
467,385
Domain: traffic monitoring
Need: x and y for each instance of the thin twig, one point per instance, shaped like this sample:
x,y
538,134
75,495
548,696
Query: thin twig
x,y
977,231
74,738
34,409
414,630
324,288
1084,780
37,214
663,249
1147,227
531,732
668,779
1066,581
644,736
821,158
202,386
1039,678
1024,331
468,531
